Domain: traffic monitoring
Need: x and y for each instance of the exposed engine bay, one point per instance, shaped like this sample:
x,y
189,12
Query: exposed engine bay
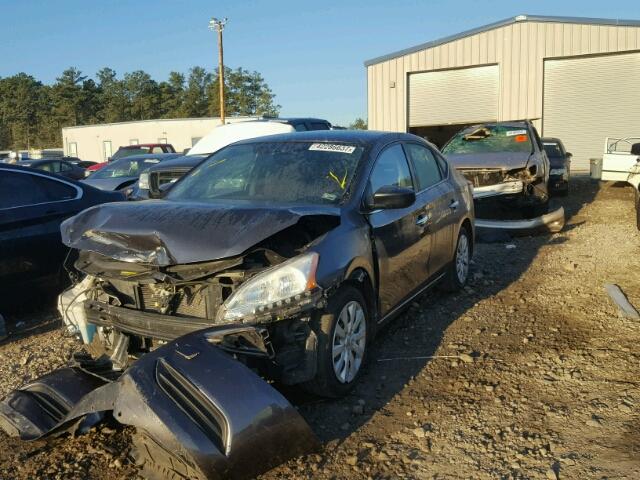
x,y
138,307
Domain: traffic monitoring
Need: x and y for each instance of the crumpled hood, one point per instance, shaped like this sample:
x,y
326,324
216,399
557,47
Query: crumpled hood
x,y
162,232
505,160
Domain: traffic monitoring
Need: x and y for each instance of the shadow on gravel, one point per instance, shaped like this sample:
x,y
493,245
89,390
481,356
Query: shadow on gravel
x,y
29,313
402,349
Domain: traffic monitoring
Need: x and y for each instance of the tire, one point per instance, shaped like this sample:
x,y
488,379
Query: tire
x,y
458,270
157,463
347,309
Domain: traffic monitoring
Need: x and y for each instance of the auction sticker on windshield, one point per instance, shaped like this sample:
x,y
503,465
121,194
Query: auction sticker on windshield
x,y
511,133
332,147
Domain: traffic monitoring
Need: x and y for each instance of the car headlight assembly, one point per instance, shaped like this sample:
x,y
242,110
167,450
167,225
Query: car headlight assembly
x,y
143,181
289,284
558,171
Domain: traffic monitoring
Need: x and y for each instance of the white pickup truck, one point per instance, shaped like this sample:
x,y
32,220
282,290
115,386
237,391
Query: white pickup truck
x,y
621,163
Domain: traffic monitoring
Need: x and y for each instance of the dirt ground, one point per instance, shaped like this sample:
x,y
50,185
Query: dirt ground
x,y
529,373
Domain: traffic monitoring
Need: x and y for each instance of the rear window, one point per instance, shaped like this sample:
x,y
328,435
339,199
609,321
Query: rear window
x,y
553,149
127,152
489,139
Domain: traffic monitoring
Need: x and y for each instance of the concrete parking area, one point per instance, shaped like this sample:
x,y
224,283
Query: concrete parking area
x,y
530,372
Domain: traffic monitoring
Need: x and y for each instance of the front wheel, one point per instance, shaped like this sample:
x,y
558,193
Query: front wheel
x,y
343,333
458,271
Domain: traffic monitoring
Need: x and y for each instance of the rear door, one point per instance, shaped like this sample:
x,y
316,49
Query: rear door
x,y
401,239
437,194
32,206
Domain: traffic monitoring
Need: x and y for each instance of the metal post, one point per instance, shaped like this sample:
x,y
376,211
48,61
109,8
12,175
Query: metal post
x,y
218,26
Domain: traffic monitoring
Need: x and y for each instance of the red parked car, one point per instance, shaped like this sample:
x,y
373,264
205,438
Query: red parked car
x,y
129,150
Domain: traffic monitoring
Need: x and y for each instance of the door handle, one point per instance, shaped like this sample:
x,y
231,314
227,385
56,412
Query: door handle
x,y
422,220
454,204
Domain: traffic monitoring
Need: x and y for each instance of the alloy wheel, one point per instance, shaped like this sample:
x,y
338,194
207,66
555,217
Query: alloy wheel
x,y
462,259
349,342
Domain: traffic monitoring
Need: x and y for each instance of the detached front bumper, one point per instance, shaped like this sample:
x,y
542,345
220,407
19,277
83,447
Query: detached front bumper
x,y
551,222
209,415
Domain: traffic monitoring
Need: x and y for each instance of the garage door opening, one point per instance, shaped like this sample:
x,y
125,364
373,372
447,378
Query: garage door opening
x,y
439,135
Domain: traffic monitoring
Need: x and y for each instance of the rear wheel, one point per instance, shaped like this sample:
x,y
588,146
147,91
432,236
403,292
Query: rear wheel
x,y
343,333
458,271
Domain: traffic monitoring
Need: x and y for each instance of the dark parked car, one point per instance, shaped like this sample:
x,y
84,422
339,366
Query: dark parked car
x,y
560,165
80,163
129,150
61,167
122,174
340,228
32,206
504,161
283,255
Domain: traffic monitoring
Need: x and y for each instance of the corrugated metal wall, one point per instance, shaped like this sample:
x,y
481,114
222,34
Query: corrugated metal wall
x,y
589,98
519,49
476,96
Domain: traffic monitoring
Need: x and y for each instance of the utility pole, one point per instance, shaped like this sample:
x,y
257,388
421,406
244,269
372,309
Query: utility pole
x,y
218,26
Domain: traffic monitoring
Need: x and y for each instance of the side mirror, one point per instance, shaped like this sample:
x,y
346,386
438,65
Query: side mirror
x,y
569,154
390,197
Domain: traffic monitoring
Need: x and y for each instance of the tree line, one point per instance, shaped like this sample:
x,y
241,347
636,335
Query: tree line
x,y
32,113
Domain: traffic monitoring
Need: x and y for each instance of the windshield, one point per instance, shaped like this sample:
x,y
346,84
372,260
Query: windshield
x,y
489,139
278,172
127,152
125,168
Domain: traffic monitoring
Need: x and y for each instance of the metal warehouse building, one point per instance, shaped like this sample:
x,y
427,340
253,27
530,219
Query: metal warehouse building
x,y
577,78
99,142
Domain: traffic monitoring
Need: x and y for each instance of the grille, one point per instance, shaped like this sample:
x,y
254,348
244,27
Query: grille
x,y
193,403
483,178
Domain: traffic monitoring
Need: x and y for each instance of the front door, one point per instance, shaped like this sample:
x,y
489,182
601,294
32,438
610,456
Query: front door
x,y
436,192
401,236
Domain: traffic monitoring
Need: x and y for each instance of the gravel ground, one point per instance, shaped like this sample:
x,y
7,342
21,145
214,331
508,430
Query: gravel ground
x,y
529,373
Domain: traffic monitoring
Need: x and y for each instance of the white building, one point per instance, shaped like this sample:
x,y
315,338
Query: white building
x,y
98,142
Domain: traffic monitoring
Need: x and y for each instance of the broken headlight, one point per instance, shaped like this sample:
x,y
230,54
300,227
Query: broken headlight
x,y
284,285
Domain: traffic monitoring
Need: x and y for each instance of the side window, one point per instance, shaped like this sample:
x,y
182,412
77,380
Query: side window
x,y
425,164
319,126
53,190
300,127
157,150
22,189
391,168
64,167
47,167
55,167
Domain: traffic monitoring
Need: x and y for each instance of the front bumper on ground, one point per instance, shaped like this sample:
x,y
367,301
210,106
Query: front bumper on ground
x,y
552,222
210,415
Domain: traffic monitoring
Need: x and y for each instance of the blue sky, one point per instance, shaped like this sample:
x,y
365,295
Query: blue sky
x,y
310,53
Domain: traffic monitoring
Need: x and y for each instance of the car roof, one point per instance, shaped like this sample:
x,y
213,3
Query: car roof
x,y
551,140
360,137
147,156
181,161
299,119
229,133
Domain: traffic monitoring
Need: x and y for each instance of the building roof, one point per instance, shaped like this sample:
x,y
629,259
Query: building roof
x,y
502,23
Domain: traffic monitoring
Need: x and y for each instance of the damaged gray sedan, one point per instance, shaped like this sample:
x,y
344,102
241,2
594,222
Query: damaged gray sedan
x,y
278,257
505,162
